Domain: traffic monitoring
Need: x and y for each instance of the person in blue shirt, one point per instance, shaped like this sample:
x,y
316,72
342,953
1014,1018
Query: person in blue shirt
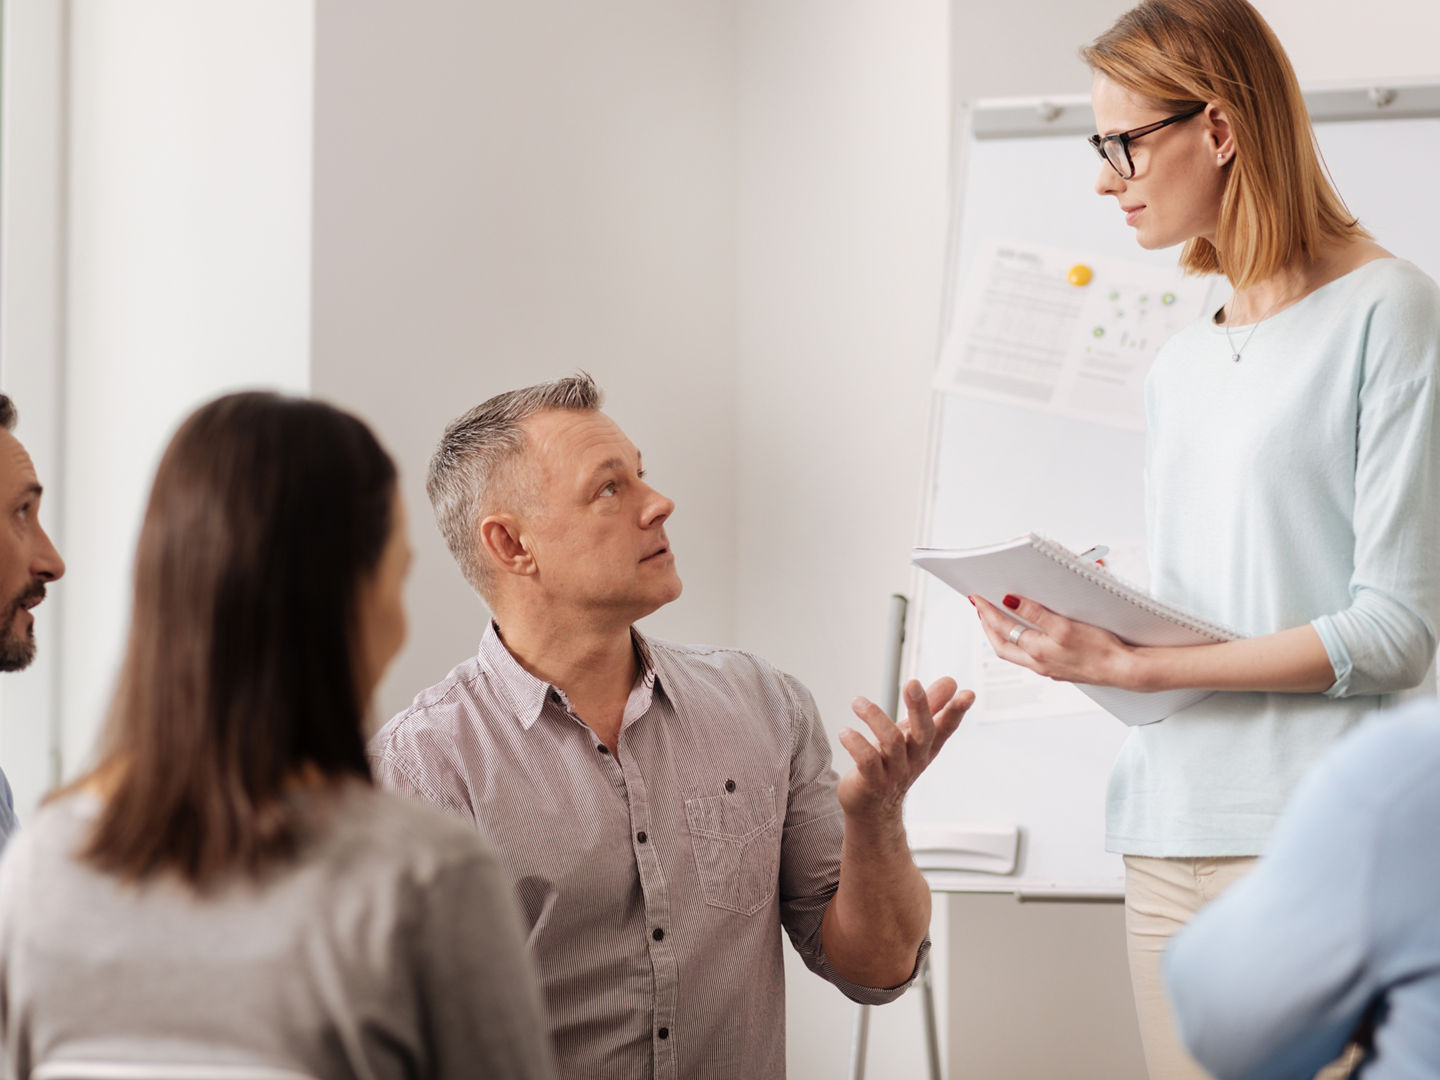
x,y
28,562
1337,930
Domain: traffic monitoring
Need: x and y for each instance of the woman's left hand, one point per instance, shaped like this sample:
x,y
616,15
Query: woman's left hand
x,y
1059,648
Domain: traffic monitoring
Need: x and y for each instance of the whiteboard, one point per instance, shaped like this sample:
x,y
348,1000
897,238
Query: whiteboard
x,y
1025,176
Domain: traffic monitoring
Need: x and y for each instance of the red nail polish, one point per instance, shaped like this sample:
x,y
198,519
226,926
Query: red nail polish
x,y
972,601
1012,602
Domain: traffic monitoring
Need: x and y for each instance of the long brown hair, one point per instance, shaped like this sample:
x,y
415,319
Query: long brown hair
x,y
1279,205
266,514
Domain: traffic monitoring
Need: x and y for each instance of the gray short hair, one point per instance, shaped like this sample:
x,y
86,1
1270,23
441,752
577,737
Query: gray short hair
x,y
475,451
8,415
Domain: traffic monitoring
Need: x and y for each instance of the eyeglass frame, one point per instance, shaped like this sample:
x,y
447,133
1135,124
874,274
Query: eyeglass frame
x,y
1125,138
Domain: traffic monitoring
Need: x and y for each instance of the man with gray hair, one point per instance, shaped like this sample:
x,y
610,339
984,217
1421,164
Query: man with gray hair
x,y
662,809
28,562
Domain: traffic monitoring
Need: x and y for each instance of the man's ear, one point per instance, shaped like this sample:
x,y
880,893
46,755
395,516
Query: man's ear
x,y
503,544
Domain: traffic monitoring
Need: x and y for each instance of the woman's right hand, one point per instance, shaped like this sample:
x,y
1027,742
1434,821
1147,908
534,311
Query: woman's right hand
x,y
1057,647
1292,661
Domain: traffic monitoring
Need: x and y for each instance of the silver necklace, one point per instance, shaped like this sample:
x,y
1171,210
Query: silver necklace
x,y
1234,352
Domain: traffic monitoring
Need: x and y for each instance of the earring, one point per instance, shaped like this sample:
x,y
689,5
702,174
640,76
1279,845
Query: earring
x,y
1220,159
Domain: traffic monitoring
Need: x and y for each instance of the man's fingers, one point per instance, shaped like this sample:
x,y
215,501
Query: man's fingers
x,y
903,753
920,720
947,720
860,749
941,691
889,738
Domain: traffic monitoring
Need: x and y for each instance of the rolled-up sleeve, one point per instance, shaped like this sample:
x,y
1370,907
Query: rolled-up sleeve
x,y
1385,640
810,849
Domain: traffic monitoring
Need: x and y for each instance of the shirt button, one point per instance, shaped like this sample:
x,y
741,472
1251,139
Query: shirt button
x,y
658,934
640,836
729,785
664,1033
603,748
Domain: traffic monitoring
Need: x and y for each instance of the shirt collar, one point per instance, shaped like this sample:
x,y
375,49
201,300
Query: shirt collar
x,y
527,694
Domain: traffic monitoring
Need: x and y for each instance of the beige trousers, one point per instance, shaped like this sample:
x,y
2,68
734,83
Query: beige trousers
x,y
1161,896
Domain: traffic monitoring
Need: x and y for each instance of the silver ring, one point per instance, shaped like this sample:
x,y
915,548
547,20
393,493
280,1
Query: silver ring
x,y
1015,632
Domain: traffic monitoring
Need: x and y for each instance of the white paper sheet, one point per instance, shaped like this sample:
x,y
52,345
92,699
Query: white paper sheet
x,y
1006,692
1024,335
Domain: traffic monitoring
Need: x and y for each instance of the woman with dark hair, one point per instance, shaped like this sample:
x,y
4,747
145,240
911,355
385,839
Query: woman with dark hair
x,y
1292,468
226,886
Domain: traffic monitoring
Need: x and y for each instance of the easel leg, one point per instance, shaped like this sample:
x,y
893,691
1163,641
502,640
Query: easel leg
x,y
932,1037
859,1041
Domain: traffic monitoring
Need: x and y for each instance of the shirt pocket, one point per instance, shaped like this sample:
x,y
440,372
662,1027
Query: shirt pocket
x,y
737,848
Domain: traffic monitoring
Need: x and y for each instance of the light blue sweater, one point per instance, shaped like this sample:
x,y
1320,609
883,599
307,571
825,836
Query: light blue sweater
x,y
1341,921
1299,485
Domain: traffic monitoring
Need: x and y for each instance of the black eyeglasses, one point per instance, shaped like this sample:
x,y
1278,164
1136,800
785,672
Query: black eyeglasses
x,y
1116,148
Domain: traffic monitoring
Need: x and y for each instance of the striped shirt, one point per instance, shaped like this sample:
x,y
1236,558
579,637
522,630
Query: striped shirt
x,y
654,886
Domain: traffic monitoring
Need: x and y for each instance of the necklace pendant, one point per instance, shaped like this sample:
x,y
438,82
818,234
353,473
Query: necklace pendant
x,y
1235,357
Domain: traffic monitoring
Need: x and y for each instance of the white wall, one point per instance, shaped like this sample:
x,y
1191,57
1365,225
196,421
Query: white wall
x,y
188,269
505,193
844,140
32,186
1332,41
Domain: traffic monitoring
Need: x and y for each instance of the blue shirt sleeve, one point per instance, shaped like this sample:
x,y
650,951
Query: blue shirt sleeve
x,y
1272,979
8,821
1339,922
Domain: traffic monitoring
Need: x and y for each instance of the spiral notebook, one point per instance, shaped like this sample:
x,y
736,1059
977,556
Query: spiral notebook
x,y
1044,571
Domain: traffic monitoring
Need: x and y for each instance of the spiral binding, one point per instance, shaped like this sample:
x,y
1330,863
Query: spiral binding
x,y
1111,584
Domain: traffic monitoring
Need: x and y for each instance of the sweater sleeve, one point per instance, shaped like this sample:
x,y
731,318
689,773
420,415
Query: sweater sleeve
x,y
16,1058
1385,640
479,990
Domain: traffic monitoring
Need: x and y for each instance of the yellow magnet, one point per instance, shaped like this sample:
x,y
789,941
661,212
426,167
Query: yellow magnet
x,y
1079,275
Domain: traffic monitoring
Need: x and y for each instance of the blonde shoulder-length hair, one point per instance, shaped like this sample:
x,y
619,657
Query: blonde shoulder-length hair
x,y
1278,206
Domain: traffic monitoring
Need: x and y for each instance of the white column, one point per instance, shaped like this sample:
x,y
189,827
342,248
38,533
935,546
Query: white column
x,y
32,274
189,213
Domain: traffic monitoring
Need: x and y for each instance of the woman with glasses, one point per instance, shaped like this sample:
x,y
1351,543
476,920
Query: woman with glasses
x,y
226,886
1293,468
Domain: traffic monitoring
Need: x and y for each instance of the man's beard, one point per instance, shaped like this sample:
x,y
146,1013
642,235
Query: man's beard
x,y
17,649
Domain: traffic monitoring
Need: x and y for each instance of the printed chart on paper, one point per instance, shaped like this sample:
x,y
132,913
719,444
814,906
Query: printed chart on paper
x,y
1026,334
